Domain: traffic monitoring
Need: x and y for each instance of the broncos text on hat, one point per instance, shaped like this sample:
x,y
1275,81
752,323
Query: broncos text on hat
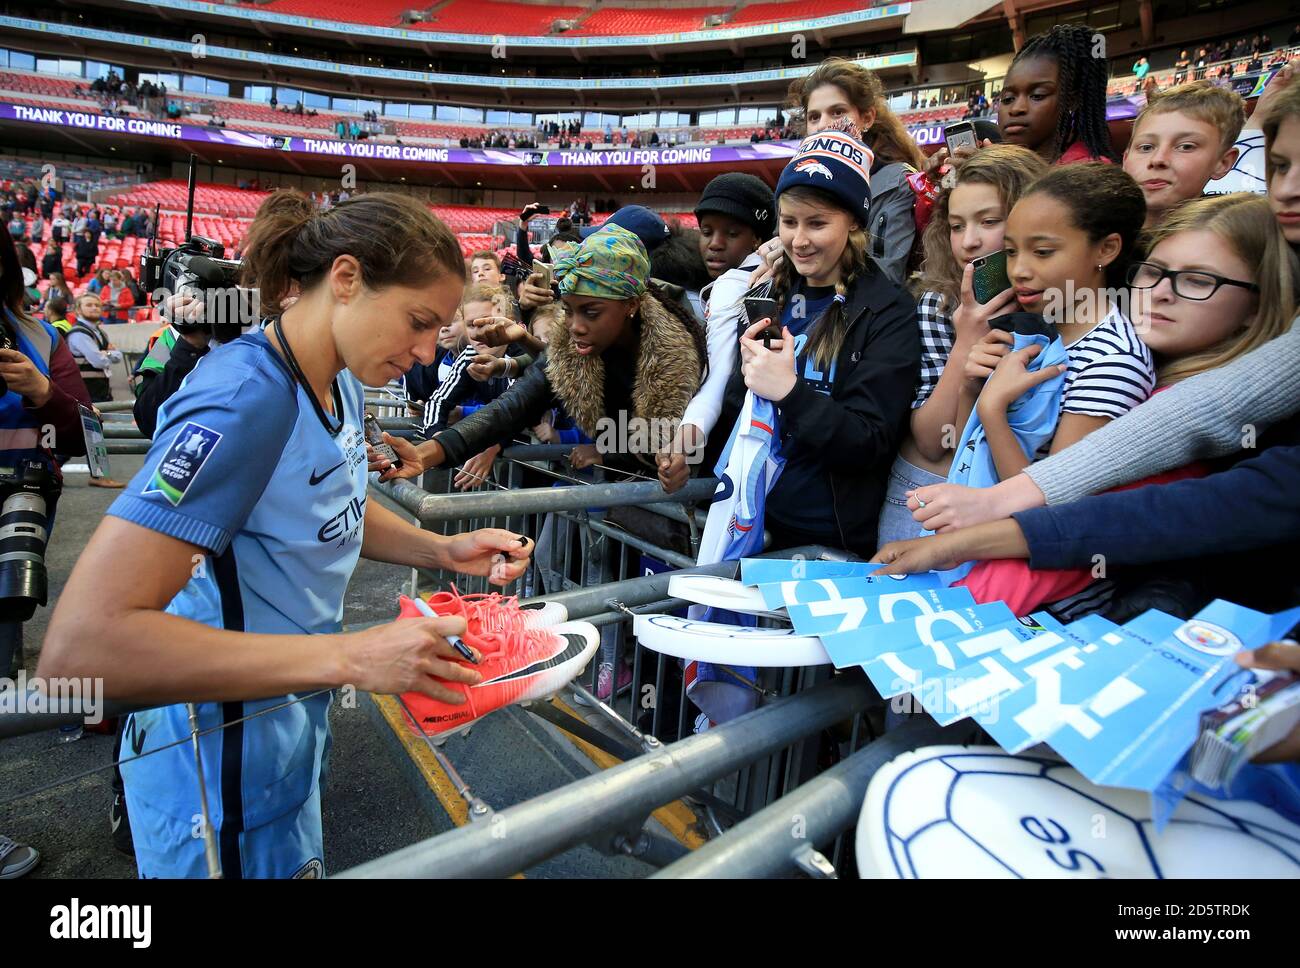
x,y
834,162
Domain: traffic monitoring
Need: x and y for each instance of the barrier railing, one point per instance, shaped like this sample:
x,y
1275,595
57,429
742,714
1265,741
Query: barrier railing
x,y
605,568
606,805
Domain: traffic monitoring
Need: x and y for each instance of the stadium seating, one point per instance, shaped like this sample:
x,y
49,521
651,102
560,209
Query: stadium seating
x,y
171,194
236,109
490,17
531,19
379,13
43,84
763,13
950,112
613,21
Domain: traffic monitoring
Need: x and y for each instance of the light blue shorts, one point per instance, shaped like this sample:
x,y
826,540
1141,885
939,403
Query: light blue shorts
x,y
290,846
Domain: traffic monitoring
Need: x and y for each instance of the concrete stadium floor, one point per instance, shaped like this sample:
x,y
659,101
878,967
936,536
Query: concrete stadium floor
x,y
507,758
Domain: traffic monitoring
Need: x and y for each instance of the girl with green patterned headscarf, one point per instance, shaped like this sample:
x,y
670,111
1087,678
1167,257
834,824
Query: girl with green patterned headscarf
x,y
623,356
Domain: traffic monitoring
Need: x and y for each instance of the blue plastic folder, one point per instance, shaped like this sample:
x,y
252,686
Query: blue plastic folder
x,y
846,614
912,670
760,571
782,594
860,646
1062,685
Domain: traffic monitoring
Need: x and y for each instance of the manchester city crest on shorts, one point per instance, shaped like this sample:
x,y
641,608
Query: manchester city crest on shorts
x,y
189,451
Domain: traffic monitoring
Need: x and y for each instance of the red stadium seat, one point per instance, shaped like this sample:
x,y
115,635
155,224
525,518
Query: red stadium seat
x,y
381,13
763,13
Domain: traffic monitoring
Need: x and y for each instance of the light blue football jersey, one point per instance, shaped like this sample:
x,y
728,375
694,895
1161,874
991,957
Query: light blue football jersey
x,y
242,467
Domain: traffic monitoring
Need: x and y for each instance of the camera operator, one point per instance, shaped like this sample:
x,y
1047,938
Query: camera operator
x,y
41,388
171,357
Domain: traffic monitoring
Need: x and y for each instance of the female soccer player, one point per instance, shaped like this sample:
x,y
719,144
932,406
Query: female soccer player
x,y
219,573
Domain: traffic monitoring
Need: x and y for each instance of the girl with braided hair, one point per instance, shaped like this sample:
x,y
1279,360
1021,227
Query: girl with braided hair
x,y
1053,99
844,371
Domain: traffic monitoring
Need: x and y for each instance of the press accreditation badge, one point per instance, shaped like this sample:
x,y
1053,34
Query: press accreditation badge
x,y
96,450
189,451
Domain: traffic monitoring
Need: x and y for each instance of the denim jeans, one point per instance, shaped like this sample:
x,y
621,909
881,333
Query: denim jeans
x,y
896,521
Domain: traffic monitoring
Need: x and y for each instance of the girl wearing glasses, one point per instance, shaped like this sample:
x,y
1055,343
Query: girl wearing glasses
x,y
1219,280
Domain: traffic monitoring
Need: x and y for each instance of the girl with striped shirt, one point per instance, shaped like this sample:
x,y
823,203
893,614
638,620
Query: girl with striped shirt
x,y
1069,241
968,222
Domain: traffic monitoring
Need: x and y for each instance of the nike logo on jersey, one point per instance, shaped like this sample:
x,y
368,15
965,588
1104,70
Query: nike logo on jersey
x,y
317,478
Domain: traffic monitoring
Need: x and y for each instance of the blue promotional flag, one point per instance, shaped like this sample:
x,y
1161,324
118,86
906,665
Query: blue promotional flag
x,y
747,469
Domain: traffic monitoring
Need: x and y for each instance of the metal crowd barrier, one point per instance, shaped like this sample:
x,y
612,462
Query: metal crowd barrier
x,y
741,774
613,803
605,574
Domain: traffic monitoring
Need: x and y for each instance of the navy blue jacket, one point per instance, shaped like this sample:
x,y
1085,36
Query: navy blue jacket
x,y
1252,505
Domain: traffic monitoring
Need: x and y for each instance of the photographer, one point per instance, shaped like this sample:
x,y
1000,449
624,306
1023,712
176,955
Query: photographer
x,y
256,483
41,387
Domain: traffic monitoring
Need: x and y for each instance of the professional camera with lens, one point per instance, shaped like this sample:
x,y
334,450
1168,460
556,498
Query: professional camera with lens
x,y
198,268
28,493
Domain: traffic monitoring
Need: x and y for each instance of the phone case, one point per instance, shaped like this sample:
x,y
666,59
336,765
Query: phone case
x,y
990,279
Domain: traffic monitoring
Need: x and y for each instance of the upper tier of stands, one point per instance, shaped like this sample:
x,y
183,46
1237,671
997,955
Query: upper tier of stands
x,y
613,21
497,17
488,17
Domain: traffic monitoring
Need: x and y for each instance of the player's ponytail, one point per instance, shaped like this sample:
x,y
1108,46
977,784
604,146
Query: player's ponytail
x,y
395,239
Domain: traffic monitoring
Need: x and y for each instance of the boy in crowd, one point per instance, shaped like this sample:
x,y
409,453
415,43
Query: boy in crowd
x,y
1184,138
485,269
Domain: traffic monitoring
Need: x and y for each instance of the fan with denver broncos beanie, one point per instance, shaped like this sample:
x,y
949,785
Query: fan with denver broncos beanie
x,y
836,164
849,356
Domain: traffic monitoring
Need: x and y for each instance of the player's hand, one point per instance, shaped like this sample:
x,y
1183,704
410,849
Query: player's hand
x,y
409,655
412,465
500,555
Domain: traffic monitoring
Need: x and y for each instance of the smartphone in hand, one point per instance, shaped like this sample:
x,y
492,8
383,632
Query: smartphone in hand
x,y
544,274
960,135
990,276
760,307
